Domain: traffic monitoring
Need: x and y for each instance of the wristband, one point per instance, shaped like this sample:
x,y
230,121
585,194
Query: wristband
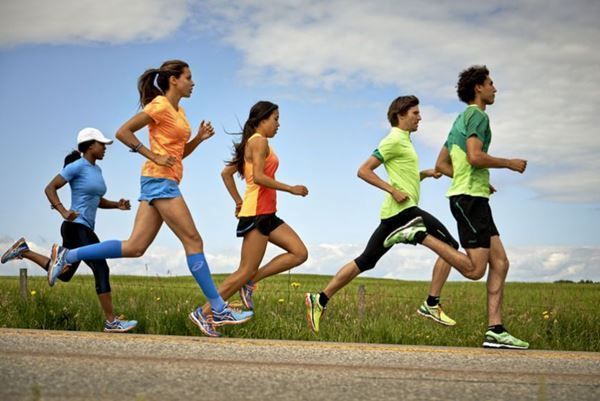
x,y
54,206
136,148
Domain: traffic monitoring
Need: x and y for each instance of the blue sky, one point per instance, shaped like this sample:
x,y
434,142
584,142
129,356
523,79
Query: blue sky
x,y
333,68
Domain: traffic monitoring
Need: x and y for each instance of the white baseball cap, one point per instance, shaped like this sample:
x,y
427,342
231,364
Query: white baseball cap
x,y
92,134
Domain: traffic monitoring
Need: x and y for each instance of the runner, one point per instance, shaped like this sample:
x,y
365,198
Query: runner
x,y
400,216
256,162
160,198
87,195
464,157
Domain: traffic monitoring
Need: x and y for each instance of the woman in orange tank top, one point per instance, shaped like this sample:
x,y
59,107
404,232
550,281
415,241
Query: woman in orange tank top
x,y
255,161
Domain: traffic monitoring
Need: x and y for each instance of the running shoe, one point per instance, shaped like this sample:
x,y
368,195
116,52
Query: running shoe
x,y
205,324
16,251
58,264
314,311
503,340
231,316
246,295
119,326
406,233
435,313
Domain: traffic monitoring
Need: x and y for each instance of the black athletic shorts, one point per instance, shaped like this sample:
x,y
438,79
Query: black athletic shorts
x,y
375,249
264,223
474,220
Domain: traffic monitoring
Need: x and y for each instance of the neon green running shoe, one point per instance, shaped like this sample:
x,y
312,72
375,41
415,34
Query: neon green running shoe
x,y
503,340
435,313
406,233
314,311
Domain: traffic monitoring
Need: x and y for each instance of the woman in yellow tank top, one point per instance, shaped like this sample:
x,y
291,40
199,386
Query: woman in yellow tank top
x,y
255,161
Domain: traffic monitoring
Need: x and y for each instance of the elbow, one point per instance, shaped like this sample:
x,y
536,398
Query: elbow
x,y
474,160
362,172
120,135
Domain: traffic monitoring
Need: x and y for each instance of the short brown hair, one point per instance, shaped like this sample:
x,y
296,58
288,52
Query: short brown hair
x,y
401,105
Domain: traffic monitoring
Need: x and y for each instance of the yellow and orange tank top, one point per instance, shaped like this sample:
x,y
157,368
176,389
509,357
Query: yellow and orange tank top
x,y
258,199
169,132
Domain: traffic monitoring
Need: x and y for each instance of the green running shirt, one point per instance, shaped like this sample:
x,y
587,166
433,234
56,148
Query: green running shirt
x,y
469,180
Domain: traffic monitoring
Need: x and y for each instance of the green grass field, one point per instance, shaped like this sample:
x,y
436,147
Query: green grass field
x,y
557,316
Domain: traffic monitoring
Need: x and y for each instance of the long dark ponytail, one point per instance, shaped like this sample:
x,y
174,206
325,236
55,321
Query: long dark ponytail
x,y
76,154
259,112
146,87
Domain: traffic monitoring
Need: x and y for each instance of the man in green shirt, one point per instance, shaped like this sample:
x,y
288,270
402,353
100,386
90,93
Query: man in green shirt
x,y
465,159
400,215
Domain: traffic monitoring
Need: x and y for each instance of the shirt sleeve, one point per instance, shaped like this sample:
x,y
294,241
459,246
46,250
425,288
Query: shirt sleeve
x,y
388,149
71,171
156,108
477,125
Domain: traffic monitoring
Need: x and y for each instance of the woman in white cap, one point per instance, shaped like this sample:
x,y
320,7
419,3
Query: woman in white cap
x,y
87,190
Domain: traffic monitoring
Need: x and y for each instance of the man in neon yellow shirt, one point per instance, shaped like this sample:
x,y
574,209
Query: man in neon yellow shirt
x,y
465,159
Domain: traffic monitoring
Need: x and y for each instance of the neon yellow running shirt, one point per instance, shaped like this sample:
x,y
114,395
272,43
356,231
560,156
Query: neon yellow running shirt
x,y
401,163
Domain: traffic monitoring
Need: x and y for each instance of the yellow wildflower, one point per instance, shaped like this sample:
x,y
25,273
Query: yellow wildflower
x,y
280,300
33,292
295,284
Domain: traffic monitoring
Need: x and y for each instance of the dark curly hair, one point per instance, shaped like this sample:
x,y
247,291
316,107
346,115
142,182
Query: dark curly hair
x,y
468,79
400,106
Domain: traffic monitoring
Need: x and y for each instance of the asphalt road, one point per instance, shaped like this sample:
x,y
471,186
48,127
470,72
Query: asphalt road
x,y
57,365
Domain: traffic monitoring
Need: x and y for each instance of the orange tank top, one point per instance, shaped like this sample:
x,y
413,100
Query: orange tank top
x,y
258,199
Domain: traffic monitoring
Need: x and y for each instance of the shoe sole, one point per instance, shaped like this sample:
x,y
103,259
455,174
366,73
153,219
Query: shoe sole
x,y
308,303
120,330
199,324
409,224
53,256
243,298
232,322
501,346
12,248
434,318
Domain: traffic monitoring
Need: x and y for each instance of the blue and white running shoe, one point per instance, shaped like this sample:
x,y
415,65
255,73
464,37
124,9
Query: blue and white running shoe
x,y
16,251
58,264
205,324
231,316
119,326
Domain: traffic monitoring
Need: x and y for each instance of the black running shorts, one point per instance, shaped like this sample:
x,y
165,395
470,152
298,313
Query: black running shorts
x,y
474,220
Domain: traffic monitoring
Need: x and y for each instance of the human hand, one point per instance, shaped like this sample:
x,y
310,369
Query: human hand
x,y
124,204
300,190
399,196
70,215
518,165
164,160
205,131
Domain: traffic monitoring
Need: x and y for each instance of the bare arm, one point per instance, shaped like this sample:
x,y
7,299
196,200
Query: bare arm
x,y
204,132
429,173
367,173
122,204
444,163
480,159
227,176
258,150
126,134
51,191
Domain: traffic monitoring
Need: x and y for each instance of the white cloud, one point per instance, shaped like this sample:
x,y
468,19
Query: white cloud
x,y
542,56
534,264
113,21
